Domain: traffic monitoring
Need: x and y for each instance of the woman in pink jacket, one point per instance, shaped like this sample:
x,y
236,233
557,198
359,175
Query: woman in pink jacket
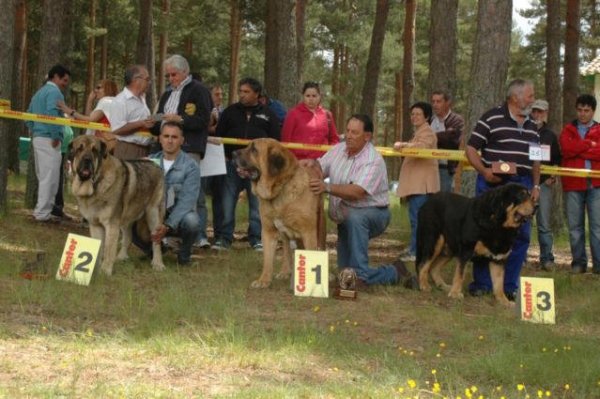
x,y
309,123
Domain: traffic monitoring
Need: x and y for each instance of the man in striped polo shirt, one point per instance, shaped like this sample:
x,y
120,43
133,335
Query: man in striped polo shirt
x,y
358,201
506,134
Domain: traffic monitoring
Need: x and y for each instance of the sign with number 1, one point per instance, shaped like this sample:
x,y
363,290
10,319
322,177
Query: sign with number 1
x,y
78,259
311,273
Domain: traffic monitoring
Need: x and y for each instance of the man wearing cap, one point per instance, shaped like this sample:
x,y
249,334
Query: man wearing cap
x,y
548,141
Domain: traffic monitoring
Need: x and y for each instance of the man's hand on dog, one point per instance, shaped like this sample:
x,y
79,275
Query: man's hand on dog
x,y
160,233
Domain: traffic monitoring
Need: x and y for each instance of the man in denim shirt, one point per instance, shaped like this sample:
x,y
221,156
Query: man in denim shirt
x,y
182,185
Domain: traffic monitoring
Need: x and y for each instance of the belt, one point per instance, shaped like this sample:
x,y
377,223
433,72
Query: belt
x,y
382,207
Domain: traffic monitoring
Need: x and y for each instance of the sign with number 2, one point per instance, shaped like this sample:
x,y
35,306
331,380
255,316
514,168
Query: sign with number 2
x,y
78,259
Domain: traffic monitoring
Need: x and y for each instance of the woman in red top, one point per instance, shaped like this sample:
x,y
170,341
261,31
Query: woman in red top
x,y
309,123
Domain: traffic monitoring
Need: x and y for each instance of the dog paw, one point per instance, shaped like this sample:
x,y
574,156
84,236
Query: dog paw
x,y
456,295
122,256
282,276
159,267
444,287
260,284
425,287
106,271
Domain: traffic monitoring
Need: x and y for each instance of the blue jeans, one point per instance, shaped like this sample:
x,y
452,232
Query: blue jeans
x,y
354,234
188,230
415,202
231,185
577,202
518,256
544,230
446,179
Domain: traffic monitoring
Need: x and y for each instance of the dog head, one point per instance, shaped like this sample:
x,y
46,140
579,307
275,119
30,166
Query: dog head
x,y
86,154
267,164
511,205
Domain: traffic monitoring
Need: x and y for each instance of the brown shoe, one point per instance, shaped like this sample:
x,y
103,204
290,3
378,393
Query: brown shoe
x,y
362,286
405,278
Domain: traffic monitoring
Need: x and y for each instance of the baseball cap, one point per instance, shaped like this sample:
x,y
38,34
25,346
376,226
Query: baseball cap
x,y
540,104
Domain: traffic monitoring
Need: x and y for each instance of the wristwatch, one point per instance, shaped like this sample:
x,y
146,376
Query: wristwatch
x,y
327,188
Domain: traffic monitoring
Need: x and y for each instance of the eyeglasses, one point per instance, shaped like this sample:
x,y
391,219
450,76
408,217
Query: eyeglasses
x,y
171,75
147,78
98,88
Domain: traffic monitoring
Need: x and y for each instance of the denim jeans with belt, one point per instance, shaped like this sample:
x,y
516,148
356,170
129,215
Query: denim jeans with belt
x,y
515,261
577,202
354,234
544,229
231,185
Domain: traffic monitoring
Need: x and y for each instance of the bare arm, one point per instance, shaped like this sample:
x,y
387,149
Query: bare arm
x,y
475,161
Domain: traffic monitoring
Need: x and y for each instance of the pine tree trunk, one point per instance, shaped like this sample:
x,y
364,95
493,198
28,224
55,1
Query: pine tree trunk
x,y
19,82
369,92
145,49
571,66
408,67
91,50
162,52
300,31
7,21
552,78
235,38
489,68
443,42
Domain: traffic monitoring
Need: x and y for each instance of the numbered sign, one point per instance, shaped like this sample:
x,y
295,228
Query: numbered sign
x,y
536,300
78,259
311,273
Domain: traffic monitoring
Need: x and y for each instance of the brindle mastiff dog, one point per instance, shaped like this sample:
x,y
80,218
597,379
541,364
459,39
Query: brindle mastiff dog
x,y
113,194
288,209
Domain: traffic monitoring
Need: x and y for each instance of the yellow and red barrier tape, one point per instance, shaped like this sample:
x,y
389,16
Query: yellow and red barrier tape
x,y
453,155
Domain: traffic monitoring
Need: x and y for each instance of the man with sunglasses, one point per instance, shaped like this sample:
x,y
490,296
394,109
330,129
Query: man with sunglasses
x,y
129,116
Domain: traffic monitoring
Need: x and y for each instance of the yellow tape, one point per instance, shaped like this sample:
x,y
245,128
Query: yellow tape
x,y
4,104
6,113
452,155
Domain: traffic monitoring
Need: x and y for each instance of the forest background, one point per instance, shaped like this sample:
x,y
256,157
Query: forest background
x,y
375,57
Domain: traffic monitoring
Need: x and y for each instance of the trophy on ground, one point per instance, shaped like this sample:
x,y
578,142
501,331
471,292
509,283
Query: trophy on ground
x,y
347,281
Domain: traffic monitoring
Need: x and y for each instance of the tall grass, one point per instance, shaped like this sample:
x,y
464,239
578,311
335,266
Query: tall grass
x,y
202,332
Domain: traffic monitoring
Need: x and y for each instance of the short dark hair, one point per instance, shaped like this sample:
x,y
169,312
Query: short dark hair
x,y
59,70
171,124
586,99
447,96
311,85
425,107
253,83
365,119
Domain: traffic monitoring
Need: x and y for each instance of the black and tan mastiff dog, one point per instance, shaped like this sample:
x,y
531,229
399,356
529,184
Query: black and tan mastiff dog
x,y
454,226
288,209
113,194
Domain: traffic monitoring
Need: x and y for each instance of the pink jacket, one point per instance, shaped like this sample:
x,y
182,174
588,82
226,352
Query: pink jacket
x,y
419,175
301,125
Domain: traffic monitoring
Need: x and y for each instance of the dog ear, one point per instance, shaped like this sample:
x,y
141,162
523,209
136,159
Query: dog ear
x,y
103,149
276,161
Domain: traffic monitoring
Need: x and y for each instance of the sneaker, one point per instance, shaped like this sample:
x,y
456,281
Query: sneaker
x,y
511,296
220,246
202,243
257,247
549,266
406,256
63,216
50,219
578,270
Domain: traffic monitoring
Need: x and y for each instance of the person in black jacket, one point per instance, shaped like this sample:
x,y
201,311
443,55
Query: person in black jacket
x,y
189,103
539,111
246,119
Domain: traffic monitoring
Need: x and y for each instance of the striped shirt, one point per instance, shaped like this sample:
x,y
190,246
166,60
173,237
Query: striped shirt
x,y
500,138
366,169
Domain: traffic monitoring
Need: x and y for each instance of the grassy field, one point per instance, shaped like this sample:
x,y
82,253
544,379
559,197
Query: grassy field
x,y
203,333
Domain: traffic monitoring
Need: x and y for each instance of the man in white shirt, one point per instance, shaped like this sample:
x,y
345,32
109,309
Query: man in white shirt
x,y
130,118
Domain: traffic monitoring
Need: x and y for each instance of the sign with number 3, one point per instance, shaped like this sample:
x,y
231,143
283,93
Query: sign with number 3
x,y
78,259
536,300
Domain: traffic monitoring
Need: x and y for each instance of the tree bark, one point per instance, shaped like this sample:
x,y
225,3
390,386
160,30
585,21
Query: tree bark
x,y
235,38
7,21
19,82
281,71
104,44
164,39
571,65
369,92
55,14
489,68
552,77
145,48
443,42
91,50
300,32
408,67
